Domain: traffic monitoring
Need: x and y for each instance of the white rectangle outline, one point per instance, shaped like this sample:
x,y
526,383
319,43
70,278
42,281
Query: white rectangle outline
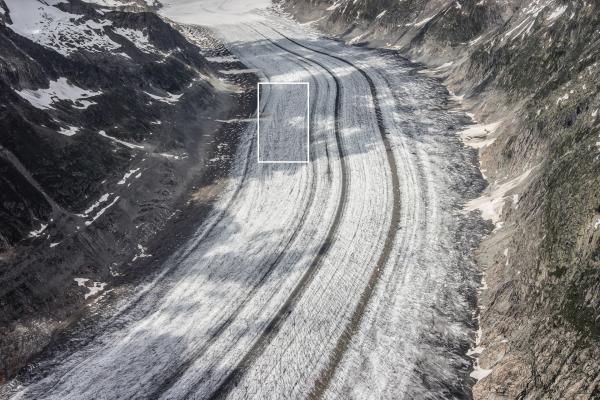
x,y
307,123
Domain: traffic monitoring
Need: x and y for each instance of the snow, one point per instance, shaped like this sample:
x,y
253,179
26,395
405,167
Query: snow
x,y
101,200
334,6
138,38
99,213
557,12
423,21
37,233
124,143
562,98
58,90
445,65
478,136
169,98
56,29
480,373
222,59
94,289
127,175
476,351
69,131
381,14
475,41
491,204
172,156
141,253
98,25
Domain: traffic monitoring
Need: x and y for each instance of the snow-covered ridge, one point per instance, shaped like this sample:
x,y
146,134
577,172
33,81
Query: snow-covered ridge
x,y
44,23
138,38
47,25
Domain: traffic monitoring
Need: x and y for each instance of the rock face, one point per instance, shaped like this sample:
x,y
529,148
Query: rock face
x,y
528,71
104,131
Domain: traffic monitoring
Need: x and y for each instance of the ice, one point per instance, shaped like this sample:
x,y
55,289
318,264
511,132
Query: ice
x,y
222,59
238,71
214,12
274,225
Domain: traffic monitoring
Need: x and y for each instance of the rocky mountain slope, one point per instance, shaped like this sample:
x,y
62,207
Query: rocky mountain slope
x,y
108,123
528,72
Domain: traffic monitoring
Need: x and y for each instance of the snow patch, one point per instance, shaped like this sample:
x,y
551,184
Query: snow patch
x,y
93,289
334,6
141,253
138,38
99,213
69,131
557,13
491,204
381,14
127,175
169,98
37,233
59,90
478,136
563,98
124,143
479,373
423,21
101,200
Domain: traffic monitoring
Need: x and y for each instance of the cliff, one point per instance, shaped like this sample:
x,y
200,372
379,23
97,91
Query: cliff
x,y
528,72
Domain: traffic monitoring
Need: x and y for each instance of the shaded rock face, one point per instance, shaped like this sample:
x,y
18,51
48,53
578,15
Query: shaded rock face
x,y
69,169
532,68
106,127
